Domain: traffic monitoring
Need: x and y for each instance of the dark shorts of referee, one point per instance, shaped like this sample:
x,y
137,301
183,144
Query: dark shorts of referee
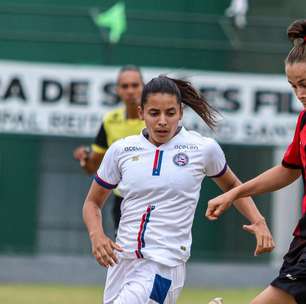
x,y
292,275
116,211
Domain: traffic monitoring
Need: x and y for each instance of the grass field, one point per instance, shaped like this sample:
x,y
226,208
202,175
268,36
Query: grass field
x,y
61,294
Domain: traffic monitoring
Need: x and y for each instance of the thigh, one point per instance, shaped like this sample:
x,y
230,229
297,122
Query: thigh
x,y
168,284
273,295
178,279
145,282
125,283
134,292
142,293
292,276
116,276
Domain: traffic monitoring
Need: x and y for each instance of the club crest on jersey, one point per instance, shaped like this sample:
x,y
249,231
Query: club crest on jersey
x,y
180,159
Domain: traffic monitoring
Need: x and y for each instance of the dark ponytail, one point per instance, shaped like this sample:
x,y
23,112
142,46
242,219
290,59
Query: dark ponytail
x,y
185,93
297,35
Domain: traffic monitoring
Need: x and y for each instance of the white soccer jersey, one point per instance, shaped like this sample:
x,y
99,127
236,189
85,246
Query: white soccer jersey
x,y
161,187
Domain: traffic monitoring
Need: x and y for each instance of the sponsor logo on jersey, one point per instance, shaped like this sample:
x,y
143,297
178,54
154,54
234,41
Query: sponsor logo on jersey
x,y
180,159
186,147
135,158
133,149
290,277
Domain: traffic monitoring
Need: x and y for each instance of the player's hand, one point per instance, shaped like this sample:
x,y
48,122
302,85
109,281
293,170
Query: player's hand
x,y
264,240
217,206
103,249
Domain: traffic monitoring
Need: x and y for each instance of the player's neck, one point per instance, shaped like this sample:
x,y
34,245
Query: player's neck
x,y
132,113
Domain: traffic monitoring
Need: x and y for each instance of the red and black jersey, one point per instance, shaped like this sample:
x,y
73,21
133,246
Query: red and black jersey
x,y
295,158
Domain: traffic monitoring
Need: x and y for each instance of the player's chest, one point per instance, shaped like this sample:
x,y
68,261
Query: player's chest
x,y
161,166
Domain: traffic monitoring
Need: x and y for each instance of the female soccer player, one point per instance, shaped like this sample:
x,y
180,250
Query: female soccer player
x,y
290,286
159,173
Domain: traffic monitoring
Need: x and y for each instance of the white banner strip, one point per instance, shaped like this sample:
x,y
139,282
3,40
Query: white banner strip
x,y
70,100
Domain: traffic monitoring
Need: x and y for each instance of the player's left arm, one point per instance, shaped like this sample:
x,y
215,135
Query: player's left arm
x,y
247,208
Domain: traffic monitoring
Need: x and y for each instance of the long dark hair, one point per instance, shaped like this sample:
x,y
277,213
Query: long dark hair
x,y
297,35
185,93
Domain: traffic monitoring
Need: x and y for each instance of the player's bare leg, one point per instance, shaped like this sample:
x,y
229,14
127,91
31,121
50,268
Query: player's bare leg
x,y
273,295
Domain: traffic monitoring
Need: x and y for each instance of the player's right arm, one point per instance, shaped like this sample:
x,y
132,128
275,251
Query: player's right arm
x,y
102,246
271,180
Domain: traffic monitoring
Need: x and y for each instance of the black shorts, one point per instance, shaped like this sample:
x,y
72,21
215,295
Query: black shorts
x,y
116,211
292,275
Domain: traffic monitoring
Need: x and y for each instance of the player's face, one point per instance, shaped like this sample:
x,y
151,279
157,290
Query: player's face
x,y
161,114
129,87
296,75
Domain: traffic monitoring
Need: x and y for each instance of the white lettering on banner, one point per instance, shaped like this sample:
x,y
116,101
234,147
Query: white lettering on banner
x,y
51,123
70,100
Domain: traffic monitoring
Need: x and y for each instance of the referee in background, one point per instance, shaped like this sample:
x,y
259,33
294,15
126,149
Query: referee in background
x,y
119,123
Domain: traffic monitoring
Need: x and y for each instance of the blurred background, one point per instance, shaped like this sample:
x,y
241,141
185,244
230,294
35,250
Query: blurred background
x,y
58,67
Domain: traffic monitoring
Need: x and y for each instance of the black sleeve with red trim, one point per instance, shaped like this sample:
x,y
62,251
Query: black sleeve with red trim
x,y
292,157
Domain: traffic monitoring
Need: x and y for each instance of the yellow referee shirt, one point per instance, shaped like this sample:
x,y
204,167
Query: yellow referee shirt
x,y
115,126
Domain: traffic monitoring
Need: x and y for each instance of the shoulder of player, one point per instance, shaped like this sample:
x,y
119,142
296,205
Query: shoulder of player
x,y
122,144
203,141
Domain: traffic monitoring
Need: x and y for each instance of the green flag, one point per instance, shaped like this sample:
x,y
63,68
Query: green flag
x,y
114,19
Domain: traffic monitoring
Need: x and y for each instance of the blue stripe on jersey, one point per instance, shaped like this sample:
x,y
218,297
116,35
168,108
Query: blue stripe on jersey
x,y
157,162
143,244
160,289
103,183
145,219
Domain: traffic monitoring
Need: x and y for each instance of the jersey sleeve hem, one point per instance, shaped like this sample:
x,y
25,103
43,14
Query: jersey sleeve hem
x,y
220,173
104,184
290,166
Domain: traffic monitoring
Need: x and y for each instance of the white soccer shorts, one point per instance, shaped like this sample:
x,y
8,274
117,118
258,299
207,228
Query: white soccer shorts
x,y
141,281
